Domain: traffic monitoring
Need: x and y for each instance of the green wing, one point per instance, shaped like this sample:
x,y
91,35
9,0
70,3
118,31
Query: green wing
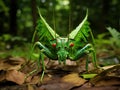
x,y
82,31
44,31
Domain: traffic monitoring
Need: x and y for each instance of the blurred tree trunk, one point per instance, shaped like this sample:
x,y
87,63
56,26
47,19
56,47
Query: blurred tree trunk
x,y
1,23
118,15
105,11
13,17
34,12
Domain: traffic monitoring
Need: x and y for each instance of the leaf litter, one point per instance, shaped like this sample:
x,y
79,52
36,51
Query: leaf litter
x,y
14,70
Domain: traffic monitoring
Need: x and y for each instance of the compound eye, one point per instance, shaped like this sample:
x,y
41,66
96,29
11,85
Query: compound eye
x,y
65,47
54,44
71,44
58,48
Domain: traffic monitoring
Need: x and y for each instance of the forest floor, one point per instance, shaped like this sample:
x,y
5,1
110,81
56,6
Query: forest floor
x,y
16,74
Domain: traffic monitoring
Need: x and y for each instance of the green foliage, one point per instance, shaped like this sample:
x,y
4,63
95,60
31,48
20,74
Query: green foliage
x,y
105,41
101,42
3,7
115,39
108,44
8,41
62,9
19,51
88,76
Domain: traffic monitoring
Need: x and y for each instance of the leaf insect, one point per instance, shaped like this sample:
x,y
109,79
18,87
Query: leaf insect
x,y
72,47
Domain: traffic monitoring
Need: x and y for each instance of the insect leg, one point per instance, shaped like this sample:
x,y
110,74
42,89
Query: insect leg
x,y
85,51
94,60
87,63
45,50
41,60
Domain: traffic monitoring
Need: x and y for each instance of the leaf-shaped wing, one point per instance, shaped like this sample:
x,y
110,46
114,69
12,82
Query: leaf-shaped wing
x,y
44,31
81,32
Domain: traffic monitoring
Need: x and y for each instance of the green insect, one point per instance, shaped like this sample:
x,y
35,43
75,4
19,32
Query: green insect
x,y
72,47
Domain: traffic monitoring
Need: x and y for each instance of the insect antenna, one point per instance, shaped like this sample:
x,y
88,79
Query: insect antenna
x,y
70,20
54,20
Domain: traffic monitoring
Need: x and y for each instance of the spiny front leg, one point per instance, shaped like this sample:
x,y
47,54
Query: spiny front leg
x,y
85,51
47,52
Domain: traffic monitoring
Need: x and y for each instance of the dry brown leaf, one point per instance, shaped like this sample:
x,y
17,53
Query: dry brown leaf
x,y
110,76
108,82
11,63
31,66
28,79
35,80
47,78
98,88
107,67
30,87
2,75
16,60
15,76
69,62
56,86
73,79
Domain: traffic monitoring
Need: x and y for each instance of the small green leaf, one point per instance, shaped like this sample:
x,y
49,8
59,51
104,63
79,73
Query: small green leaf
x,y
88,76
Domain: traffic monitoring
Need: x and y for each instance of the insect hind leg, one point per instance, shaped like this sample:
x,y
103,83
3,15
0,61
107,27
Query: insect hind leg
x,y
86,50
93,52
41,60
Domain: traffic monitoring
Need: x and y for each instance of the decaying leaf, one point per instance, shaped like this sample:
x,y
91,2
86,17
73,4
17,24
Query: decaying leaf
x,y
56,86
15,76
73,79
16,60
11,63
35,80
108,81
98,88
30,87
2,75
61,82
9,67
108,77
